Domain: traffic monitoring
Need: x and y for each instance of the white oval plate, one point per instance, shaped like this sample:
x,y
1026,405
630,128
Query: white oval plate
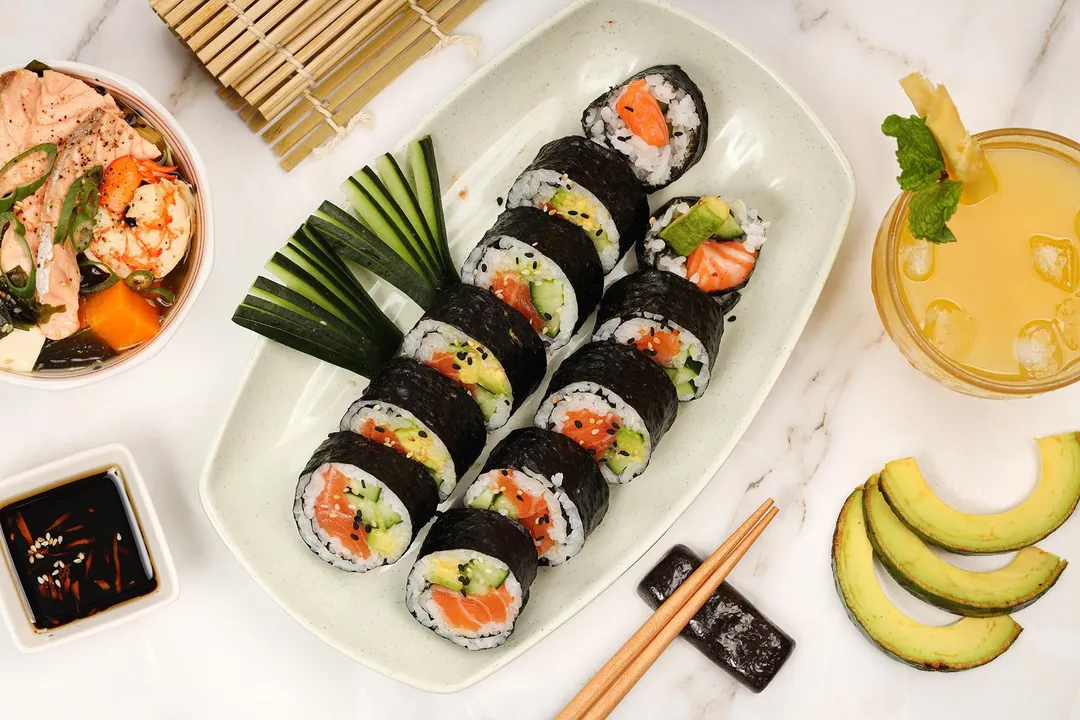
x,y
764,145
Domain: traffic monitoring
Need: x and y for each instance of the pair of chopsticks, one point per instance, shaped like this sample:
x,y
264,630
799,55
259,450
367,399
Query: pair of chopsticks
x,y
610,685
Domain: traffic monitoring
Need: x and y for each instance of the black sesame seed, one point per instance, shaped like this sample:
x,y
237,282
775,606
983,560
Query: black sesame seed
x,y
615,425
547,316
468,360
367,528
506,473
483,267
483,356
592,451
577,424
379,429
354,536
627,108
599,232
463,593
422,433
461,568
678,133
731,319
571,212
355,525
584,216
529,255
624,453
610,432
630,341
465,581
462,355
536,264
499,200
456,366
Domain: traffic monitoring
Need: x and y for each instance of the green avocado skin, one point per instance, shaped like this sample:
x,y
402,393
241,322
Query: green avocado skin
x,y
955,605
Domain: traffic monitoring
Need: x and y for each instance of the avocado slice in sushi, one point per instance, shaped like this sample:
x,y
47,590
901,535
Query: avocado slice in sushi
x,y
709,218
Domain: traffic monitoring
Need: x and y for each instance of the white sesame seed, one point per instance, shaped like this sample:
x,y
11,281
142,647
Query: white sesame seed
x,y
57,583
595,431
118,536
59,539
55,572
61,563
47,536
39,556
40,581
31,559
78,560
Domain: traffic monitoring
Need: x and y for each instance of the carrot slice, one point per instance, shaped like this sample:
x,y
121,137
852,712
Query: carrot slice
x,y
121,317
642,114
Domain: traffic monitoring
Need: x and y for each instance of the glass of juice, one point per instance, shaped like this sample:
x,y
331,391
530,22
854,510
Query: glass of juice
x,y
997,313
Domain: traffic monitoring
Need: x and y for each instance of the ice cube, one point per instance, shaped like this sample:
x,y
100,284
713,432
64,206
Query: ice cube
x,y
917,257
1067,320
1037,349
949,328
1056,261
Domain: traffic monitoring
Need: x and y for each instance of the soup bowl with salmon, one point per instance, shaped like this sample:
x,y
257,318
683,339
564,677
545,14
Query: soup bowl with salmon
x,y
106,226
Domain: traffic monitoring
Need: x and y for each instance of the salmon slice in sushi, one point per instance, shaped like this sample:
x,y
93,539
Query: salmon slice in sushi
x,y
669,321
484,345
423,415
472,576
612,401
656,119
591,186
547,483
706,241
544,267
359,504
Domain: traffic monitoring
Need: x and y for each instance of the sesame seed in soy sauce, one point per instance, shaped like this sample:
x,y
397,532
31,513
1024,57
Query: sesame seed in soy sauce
x,y
77,549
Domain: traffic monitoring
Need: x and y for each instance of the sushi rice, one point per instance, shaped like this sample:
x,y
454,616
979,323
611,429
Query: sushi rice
x,y
631,330
394,426
560,521
329,547
652,165
594,398
537,188
503,255
420,598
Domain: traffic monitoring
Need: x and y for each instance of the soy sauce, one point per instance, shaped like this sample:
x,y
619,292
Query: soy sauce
x,y
77,549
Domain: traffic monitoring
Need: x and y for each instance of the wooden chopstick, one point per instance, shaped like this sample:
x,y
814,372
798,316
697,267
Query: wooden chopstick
x,y
600,696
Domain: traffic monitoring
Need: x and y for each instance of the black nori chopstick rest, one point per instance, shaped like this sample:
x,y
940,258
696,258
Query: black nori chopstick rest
x,y
728,630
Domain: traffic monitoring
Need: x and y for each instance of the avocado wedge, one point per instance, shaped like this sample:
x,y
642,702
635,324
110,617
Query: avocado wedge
x,y
1048,506
966,643
922,573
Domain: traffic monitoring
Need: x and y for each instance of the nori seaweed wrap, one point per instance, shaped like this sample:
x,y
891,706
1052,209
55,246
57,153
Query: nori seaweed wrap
x,y
472,560
549,484
659,153
484,344
728,629
612,389
720,264
670,321
542,266
422,414
591,186
360,504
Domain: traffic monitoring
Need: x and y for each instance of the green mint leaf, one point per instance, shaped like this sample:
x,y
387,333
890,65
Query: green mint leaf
x,y
917,151
931,208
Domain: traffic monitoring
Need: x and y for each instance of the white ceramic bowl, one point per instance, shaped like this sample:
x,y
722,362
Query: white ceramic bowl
x,y
193,168
12,606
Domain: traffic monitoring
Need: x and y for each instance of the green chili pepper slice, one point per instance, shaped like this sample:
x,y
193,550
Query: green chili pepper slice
x,y
105,284
140,280
26,289
164,296
81,201
30,187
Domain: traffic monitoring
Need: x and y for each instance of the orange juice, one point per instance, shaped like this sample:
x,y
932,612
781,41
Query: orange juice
x,y
1003,302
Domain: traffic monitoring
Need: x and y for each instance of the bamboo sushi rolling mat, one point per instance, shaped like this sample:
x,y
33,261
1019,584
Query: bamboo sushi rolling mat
x,y
300,72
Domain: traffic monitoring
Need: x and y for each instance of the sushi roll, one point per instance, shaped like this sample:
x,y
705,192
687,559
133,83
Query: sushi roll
x,y
703,239
668,320
656,119
592,187
614,402
360,504
484,345
543,267
472,576
425,416
549,484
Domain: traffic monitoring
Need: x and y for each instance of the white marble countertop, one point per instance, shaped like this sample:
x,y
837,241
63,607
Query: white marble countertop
x,y
846,403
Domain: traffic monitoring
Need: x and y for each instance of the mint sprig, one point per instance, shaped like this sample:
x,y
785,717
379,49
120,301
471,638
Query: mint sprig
x,y
922,170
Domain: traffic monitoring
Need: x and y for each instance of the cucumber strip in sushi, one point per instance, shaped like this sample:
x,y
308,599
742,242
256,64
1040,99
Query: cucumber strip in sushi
x,y
424,415
543,267
549,484
710,243
592,187
614,402
483,344
359,504
670,321
472,576
656,119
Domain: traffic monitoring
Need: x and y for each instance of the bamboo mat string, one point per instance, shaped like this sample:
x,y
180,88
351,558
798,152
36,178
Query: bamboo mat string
x,y
444,39
319,106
